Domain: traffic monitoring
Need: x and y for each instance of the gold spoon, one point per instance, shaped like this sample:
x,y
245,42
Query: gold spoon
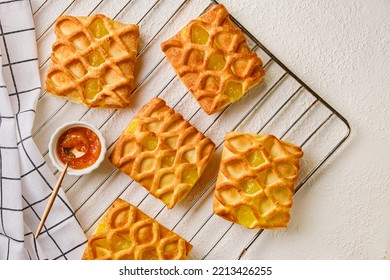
x,y
71,154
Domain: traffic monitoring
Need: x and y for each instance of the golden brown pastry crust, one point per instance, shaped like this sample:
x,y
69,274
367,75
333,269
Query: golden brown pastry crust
x,y
218,66
256,179
162,152
126,233
94,53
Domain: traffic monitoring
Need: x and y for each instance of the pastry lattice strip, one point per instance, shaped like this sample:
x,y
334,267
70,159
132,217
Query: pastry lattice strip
x,y
255,183
162,152
211,56
126,233
93,61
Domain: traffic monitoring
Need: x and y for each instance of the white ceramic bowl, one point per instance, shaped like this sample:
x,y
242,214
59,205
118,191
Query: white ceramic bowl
x,y
53,153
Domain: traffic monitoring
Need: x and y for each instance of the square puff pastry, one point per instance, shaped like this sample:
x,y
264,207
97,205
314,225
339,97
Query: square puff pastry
x,y
126,233
255,183
93,61
162,152
212,58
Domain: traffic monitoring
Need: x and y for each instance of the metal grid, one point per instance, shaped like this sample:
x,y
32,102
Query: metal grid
x,y
282,105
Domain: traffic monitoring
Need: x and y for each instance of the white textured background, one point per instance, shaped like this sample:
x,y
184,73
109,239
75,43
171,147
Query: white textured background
x,y
341,49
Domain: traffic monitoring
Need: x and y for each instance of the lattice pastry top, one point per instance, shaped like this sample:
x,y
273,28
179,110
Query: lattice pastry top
x,y
93,61
126,233
162,152
212,58
256,179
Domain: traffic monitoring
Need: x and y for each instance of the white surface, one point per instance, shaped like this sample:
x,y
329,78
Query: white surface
x,y
341,49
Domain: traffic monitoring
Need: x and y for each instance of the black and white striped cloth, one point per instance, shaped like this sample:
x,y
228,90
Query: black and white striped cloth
x,y
26,181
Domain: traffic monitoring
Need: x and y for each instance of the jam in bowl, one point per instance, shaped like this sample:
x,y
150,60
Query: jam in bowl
x,y
82,137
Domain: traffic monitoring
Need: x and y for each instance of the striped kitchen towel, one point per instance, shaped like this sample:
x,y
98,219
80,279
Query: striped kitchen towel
x,y
26,181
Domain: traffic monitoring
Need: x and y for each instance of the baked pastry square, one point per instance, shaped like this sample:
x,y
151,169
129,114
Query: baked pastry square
x,y
212,58
162,152
255,183
93,61
126,233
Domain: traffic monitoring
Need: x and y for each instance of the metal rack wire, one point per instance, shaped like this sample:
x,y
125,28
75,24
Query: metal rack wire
x,y
282,105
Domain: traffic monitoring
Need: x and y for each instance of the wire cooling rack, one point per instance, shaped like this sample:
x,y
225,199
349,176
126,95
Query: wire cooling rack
x,y
282,105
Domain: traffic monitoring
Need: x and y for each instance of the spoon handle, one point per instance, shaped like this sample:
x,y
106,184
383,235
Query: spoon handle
x,y
51,200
